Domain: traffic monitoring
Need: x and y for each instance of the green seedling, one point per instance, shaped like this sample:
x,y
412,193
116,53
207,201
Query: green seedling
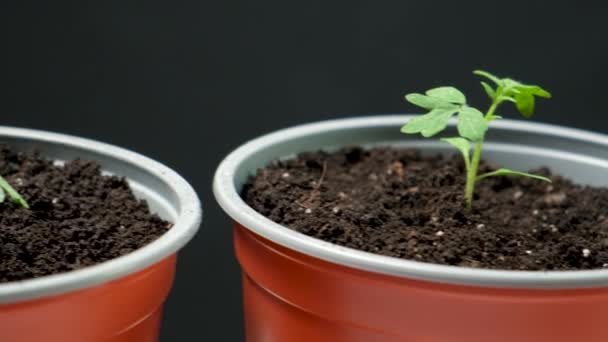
x,y
445,102
7,189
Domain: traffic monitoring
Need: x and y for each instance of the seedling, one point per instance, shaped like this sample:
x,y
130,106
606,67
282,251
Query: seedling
x,y
7,189
445,102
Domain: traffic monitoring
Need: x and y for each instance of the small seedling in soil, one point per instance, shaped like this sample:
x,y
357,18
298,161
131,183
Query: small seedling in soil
x,y
445,102
7,189
79,217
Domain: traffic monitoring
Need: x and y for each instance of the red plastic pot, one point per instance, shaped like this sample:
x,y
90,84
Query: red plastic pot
x,y
297,288
120,300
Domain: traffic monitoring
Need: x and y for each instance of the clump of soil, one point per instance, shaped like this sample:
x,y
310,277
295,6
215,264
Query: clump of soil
x,y
399,203
78,217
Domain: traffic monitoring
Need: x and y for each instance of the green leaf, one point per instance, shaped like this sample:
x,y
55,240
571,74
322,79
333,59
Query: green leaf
x,y
424,101
510,84
489,76
507,172
525,104
449,94
431,123
2,195
463,145
534,90
471,124
489,90
12,193
540,92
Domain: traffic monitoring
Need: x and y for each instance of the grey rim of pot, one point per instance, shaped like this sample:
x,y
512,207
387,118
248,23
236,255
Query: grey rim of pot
x,y
578,154
167,193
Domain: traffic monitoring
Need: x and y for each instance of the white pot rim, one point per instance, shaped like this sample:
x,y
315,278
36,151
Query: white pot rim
x,y
181,200
228,197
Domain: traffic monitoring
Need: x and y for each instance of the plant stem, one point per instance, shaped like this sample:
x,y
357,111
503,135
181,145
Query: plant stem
x,y
474,165
472,176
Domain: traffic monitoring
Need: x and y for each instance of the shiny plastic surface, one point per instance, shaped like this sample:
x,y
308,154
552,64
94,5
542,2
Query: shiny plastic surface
x,y
124,310
292,297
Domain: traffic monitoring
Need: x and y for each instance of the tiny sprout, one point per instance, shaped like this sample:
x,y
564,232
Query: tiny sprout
x,y
445,102
7,189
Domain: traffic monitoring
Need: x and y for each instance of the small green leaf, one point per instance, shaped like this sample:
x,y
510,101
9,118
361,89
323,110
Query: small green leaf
x,y
449,94
2,195
507,172
510,84
525,104
540,92
489,90
471,124
12,193
535,90
424,101
463,146
431,123
514,91
489,76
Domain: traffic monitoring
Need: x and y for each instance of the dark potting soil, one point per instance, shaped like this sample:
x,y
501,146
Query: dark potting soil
x,y
399,203
77,218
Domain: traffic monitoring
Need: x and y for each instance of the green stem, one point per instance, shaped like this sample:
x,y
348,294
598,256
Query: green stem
x,y
474,165
472,176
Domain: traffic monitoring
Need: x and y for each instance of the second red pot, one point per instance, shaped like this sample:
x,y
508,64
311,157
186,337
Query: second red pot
x,y
120,300
297,288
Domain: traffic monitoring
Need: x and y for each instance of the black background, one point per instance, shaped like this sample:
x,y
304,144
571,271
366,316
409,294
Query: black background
x,y
184,82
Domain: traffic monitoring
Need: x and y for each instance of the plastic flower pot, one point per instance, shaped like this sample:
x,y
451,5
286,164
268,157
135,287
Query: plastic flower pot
x,y
120,300
297,288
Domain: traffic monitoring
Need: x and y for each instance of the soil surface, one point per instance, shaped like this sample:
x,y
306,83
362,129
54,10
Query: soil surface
x,y
398,203
77,218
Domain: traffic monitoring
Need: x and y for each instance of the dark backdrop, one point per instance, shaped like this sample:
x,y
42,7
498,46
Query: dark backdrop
x,y
186,81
